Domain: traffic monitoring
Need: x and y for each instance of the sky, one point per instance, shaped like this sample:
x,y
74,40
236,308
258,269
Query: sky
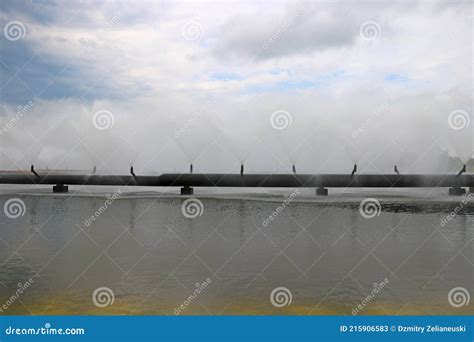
x,y
162,84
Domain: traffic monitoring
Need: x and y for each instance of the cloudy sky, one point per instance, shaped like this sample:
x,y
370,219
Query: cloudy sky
x,y
161,84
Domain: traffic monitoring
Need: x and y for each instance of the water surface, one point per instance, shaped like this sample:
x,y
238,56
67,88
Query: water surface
x,y
153,258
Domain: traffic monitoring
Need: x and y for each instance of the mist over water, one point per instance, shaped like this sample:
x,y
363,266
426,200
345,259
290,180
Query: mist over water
x,y
317,138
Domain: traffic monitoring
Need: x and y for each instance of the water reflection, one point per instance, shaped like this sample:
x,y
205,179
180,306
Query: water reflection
x,y
151,256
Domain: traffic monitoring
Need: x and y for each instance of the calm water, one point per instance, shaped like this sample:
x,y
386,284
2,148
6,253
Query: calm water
x,y
153,258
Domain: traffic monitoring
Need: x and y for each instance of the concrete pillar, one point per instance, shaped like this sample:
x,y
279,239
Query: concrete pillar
x,y
60,188
456,191
321,191
187,190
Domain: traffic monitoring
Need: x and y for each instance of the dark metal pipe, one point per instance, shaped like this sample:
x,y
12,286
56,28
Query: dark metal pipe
x,y
462,170
354,170
32,169
249,180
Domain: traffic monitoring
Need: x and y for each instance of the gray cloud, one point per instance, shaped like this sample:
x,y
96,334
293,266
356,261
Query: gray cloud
x,y
301,29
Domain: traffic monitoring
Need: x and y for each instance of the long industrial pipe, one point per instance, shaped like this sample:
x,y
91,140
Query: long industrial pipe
x,y
247,180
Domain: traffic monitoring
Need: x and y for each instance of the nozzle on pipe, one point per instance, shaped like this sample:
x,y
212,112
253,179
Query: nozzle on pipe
x,y
462,170
94,170
395,169
33,170
294,169
131,171
191,168
354,170
241,169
